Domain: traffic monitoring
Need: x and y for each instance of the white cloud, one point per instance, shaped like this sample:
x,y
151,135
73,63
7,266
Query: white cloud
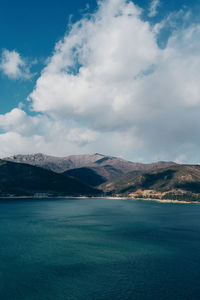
x,y
110,49
13,65
153,9
21,133
13,142
81,136
18,121
109,88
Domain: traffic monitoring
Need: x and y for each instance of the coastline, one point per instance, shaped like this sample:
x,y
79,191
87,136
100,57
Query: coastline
x,y
152,199
104,197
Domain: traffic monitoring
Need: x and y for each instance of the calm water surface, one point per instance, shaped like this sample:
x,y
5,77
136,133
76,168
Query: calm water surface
x,y
99,249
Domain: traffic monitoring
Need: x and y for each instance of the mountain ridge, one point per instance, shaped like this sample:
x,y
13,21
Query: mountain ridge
x,y
103,167
97,175
178,182
25,180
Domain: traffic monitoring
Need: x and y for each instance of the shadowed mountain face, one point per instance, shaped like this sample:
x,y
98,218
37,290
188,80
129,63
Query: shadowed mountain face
x,y
86,175
182,181
25,180
92,169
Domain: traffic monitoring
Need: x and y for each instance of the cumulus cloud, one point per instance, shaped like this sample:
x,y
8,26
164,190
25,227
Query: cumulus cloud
x,y
13,65
110,88
22,133
17,120
153,9
95,68
81,136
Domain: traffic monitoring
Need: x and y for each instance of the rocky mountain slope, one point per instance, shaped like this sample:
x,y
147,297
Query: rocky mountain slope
x,y
26,180
92,169
180,182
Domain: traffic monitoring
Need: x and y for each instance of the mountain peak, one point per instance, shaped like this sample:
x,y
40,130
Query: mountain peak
x,y
105,166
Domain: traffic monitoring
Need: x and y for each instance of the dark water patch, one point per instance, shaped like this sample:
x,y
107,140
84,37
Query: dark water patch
x,y
98,249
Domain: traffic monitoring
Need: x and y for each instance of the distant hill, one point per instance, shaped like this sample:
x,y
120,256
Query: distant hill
x,y
164,180
86,175
180,182
26,180
92,169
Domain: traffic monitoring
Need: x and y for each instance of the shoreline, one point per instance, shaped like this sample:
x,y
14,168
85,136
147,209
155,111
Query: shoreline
x,y
103,197
152,199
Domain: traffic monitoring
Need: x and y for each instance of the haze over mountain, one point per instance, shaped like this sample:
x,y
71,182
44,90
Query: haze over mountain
x,y
93,169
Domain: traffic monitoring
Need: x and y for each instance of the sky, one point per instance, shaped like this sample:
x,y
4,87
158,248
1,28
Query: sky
x,y
115,77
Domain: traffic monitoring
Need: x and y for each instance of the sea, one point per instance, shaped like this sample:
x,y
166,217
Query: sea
x,y
90,249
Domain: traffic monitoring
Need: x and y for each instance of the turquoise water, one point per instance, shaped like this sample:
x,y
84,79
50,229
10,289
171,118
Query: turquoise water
x,y
99,249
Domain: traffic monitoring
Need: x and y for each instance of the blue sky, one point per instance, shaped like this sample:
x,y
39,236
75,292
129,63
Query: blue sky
x,y
29,31
33,27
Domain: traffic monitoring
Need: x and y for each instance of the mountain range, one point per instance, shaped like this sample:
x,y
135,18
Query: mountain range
x,y
93,169
26,180
177,182
95,175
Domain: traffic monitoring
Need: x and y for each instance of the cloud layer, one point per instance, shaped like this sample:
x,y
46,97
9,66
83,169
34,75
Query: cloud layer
x,y
109,87
13,65
153,9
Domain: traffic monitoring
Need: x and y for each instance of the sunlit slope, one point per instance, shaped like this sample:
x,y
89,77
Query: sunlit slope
x,y
178,181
